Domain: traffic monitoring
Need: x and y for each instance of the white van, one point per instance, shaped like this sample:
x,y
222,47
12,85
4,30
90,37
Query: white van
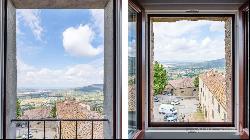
x,y
167,109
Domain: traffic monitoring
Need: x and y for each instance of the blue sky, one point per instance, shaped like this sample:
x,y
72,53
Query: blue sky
x,y
132,39
189,41
59,48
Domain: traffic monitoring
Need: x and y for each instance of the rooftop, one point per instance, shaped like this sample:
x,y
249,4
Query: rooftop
x,y
182,83
71,109
39,113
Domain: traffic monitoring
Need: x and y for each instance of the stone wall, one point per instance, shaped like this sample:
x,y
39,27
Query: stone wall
x,y
11,71
151,70
186,92
228,57
108,69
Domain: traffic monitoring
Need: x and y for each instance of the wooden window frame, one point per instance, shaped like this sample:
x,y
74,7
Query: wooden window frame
x,y
192,124
244,62
141,66
115,12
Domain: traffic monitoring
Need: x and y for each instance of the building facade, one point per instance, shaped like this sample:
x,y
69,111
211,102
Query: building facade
x,y
212,96
182,87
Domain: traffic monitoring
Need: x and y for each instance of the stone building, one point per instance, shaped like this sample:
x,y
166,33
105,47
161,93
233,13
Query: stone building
x,y
212,96
182,87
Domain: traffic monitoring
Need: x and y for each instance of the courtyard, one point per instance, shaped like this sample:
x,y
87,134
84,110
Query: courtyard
x,y
187,110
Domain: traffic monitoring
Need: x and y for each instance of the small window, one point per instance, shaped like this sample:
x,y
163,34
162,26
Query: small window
x,y
213,114
225,117
212,100
182,91
218,108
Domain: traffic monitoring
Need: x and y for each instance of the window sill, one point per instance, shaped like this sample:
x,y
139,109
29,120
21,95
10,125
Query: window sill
x,y
161,134
138,135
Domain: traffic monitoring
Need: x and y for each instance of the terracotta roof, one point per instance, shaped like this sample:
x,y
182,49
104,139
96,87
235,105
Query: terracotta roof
x,y
39,113
216,83
182,83
77,110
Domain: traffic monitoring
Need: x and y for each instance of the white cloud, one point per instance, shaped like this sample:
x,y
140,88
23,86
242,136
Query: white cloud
x,y
185,41
31,18
178,28
98,20
71,76
78,41
205,42
132,48
217,26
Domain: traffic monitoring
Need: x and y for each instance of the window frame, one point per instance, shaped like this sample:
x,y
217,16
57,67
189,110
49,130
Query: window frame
x,y
140,34
246,61
192,124
80,4
131,8
244,75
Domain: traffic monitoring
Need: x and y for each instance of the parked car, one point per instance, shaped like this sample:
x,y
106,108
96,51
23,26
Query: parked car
x,y
30,136
167,109
173,111
175,102
26,137
156,99
170,118
170,94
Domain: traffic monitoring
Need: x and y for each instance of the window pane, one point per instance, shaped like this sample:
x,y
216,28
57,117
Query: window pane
x,y
60,71
191,62
132,67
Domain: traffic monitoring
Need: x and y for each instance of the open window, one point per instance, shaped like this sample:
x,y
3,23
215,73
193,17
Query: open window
x,y
134,69
191,70
58,69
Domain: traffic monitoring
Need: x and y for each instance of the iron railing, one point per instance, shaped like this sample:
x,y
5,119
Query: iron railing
x,y
60,124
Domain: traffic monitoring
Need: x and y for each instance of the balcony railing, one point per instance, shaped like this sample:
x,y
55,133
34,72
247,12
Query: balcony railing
x,y
60,124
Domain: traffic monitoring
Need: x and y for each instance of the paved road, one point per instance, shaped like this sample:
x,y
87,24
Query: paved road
x,y
187,106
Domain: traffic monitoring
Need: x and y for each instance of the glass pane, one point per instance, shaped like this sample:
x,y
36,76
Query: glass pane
x,y
192,69
60,71
132,67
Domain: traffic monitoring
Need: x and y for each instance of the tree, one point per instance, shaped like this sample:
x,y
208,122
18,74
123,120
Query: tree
x,y
160,78
18,108
196,81
53,111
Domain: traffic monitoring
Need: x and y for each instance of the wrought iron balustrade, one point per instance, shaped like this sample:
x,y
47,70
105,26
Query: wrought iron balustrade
x,y
60,124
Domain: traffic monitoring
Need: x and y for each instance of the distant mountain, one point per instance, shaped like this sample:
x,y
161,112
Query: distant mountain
x,y
218,63
90,88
